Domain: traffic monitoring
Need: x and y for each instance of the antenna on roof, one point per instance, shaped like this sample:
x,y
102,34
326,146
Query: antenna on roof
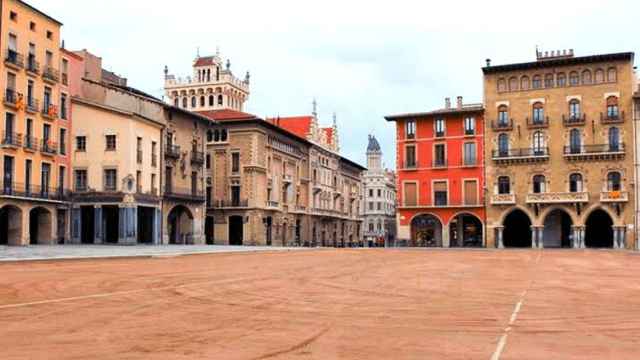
x,y
198,52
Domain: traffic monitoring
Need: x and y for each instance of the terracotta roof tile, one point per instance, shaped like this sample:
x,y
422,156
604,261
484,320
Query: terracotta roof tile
x,y
204,61
226,115
298,125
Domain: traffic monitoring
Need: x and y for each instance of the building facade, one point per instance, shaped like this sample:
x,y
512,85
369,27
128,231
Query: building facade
x,y
379,199
636,117
441,176
559,151
34,197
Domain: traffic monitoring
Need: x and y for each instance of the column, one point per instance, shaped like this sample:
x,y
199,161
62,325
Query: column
x,y
582,235
156,227
540,237
127,233
97,221
575,237
446,242
499,231
623,237
534,237
76,225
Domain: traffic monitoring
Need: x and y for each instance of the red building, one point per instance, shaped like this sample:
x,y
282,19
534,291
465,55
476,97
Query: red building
x,y
441,176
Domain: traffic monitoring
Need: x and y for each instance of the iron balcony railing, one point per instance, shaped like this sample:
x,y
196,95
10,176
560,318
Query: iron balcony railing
x,y
34,191
440,164
11,139
14,58
48,147
522,152
574,120
235,203
536,123
32,65
613,118
51,74
49,110
30,143
32,105
184,193
65,79
172,151
197,157
11,97
593,149
502,124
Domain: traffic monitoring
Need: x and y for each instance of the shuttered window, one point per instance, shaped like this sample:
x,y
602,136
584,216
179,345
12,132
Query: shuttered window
x,y
470,192
410,194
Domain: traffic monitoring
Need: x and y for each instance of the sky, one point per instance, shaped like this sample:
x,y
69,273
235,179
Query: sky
x,y
360,59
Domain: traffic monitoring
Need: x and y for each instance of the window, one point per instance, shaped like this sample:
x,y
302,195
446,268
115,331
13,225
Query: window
x,y
410,129
370,193
504,185
538,184
370,205
524,83
614,139
440,193
503,115
574,109
139,181
184,102
469,154
153,184
49,34
503,145
110,142
548,81
469,125
410,194
439,127
27,175
612,107
207,161
470,192
612,75
139,150
63,141
410,156
538,143
599,76
193,102
379,206
574,79
575,183
235,162
586,77
80,178
379,193
45,178
81,143
614,181
202,101
439,156
561,80
538,113
575,141
502,85
536,83
110,179
513,83
65,72
219,99
13,16
63,106
154,157
211,100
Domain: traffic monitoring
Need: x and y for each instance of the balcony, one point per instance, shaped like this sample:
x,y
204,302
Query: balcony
x,y
231,204
154,160
11,140
33,67
522,155
614,196
139,156
50,75
538,123
287,179
197,158
32,105
12,98
439,164
30,144
65,79
14,59
49,111
184,194
31,191
502,125
503,199
573,120
48,147
410,165
608,119
594,152
273,204
558,198
172,151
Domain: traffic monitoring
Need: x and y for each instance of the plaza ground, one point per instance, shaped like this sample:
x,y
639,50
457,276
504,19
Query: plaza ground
x,y
326,304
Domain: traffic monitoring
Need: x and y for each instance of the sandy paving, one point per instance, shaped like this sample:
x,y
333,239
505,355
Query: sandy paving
x,y
326,304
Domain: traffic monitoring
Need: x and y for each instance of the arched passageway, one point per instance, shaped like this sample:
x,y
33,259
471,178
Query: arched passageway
x,y
40,226
599,230
180,225
465,230
10,225
426,231
517,230
557,230
236,231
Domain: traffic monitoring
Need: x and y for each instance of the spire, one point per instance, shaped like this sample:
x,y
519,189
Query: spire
x,y
198,52
228,64
335,138
315,108
166,71
218,51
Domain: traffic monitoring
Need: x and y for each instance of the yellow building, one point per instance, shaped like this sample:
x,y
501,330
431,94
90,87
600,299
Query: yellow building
x,y
559,151
33,197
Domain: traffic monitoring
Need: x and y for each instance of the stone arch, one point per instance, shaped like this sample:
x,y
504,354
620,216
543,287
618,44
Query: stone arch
x,y
40,226
513,208
426,230
516,230
180,225
10,225
462,235
575,218
557,222
617,221
599,229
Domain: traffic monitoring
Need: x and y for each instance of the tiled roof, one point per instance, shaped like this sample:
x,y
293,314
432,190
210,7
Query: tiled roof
x,y
226,115
454,110
205,61
298,125
558,62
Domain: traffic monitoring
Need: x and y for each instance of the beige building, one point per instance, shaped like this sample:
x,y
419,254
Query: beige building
x,y
559,151
636,117
33,147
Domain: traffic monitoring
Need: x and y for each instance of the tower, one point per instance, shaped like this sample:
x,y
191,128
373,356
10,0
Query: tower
x,y
374,154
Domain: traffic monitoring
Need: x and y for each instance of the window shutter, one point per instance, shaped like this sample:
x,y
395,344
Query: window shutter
x,y
470,192
410,194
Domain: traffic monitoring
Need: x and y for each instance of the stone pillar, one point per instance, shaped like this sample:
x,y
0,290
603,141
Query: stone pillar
x,y
623,237
582,235
446,242
128,225
534,237
97,221
157,226
25,236
76,226
575,237
538,235
499,232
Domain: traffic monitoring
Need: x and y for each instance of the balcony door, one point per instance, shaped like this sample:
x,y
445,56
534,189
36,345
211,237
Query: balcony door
x,y
614,139
8,128
45,179
575,142
8,175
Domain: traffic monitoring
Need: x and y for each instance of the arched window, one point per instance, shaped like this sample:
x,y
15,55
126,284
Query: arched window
x,y
538,113
614,181
208,75
575,141
524,83
599,76
212,100
612,107
539,184
586,77
184,102
513,83
561,79
502,86
216,135
574,109
548,81
504,185
503,115
202,103
574,79
614,139
223,135
503,144
219,99
575,183
193,102
536,83
612,75
176,102
209,135
538,143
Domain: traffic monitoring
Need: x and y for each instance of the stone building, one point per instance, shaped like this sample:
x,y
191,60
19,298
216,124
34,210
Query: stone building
x,y
379,199
33,147
559,151
212,86
636,98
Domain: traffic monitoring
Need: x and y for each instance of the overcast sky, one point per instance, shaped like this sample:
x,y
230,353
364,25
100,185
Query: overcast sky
x,y
361,59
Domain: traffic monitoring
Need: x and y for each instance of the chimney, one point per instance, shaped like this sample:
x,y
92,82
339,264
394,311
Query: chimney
x,y
459,102
447,103
488,62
